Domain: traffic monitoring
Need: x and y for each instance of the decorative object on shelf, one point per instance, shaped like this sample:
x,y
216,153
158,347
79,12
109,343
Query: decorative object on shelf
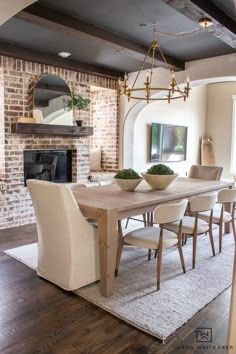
x,y
173,92
25,120
159,176
127,179
38,116
207,154
77,103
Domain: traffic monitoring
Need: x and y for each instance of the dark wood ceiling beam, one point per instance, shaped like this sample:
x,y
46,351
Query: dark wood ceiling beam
x,y
59,22
18,52
224,26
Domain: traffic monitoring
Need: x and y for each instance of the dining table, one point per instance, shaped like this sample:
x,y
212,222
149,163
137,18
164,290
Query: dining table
x,y
108,204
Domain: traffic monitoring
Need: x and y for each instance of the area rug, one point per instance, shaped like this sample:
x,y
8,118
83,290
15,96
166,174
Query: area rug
x,y
135,299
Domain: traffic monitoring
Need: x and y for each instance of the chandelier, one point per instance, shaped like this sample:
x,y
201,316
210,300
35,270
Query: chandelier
x,y
172,92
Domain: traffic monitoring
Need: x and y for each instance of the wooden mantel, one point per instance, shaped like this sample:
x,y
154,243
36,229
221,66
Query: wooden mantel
x,y
49,129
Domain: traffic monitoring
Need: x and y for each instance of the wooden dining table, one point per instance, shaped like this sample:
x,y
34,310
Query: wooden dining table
x,y
108,204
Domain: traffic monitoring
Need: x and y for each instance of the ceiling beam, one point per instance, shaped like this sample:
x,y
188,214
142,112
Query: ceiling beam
x,y
224,26
18,52
59,22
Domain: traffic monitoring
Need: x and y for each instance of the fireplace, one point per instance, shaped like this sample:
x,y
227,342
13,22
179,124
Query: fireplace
x,y
48,165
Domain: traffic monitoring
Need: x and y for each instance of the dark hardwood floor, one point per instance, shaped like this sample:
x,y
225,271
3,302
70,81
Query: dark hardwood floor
x,y
38,317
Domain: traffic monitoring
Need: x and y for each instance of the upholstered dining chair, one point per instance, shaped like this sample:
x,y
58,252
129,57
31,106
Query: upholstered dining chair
x,y
206,172
155,237
192,226
68,253
226,197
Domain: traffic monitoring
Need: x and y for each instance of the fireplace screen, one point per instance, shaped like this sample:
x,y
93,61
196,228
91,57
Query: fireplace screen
x,y
48,165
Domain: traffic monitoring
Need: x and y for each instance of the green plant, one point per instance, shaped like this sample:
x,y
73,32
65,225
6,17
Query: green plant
x,y
77,102
127,173
160,169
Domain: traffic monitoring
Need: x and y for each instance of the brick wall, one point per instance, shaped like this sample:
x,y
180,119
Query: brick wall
x,y
17,80
103,119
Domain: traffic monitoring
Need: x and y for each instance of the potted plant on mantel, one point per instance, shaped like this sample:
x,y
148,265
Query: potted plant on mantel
x,y
127,179
77,103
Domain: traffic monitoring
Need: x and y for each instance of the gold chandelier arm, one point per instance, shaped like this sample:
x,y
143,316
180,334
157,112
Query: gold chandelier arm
x,y
153,58
142,66
163,57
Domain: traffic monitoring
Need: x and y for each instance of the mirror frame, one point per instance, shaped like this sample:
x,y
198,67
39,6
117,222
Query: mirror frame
x,y
35,88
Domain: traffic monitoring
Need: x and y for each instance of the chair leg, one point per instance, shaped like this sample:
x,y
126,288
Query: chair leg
x,y
149,254
145,220
194,250
233,228
181,256
127,221
159,257
120,247
220,236
212,242
185,239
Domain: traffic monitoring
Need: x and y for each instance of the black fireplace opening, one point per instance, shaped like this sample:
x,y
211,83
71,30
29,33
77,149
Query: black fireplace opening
x,y
48,165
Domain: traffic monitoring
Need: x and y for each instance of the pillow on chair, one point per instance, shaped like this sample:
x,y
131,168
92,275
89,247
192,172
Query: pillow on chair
x,y
95,159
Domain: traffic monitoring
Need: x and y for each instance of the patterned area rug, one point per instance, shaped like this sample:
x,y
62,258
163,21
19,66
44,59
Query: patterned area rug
x,y
135,299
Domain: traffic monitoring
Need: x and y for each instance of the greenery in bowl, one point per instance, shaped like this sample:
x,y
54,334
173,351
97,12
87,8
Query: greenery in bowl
x,y
127,173
160,169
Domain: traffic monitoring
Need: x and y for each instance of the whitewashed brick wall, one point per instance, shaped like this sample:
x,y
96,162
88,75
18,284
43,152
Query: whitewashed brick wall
x,y
17,80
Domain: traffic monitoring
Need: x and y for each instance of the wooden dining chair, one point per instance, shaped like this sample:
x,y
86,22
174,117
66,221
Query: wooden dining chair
x,y
226,198
192,226
156,237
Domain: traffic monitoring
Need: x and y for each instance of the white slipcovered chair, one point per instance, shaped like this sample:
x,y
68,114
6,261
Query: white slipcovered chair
x,y
157,238
68,253
192,226
220,216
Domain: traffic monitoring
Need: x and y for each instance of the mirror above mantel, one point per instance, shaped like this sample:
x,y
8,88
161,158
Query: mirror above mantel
x,y
49,97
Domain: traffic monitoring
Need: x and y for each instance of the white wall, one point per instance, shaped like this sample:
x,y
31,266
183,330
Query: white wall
x,y
191,113
219,121
201,72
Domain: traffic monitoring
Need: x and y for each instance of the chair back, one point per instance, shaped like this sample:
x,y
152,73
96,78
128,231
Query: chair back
x,y
227,195
67,244
206,172
203,202
168,213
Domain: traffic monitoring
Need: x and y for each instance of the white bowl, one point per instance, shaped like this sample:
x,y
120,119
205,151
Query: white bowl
x,y
128,184
159,181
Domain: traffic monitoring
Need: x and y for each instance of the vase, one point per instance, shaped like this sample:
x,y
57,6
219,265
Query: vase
x,y
159,181
79,122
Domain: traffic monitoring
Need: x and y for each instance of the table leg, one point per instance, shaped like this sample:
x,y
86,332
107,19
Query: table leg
x,y
107,234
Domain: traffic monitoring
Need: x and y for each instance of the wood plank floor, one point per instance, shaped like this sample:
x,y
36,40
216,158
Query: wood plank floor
x,y
38,317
